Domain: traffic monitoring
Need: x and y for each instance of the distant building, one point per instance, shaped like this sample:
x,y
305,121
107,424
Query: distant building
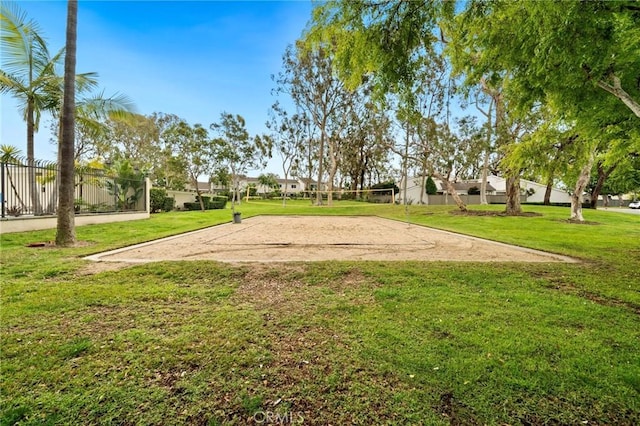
x,y
202,186
496,189
293,186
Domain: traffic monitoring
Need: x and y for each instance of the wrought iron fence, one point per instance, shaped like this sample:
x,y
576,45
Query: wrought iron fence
x,y
31,189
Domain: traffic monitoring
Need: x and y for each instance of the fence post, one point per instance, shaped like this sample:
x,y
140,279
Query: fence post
x,y
2,191
115,194
147,194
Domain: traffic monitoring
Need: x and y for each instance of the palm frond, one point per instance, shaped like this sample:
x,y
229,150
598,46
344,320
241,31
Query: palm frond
x,y
22,44
87,81
9,153
115,106
10,83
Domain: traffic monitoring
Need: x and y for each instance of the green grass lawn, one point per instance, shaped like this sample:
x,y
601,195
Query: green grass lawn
x,y
327,342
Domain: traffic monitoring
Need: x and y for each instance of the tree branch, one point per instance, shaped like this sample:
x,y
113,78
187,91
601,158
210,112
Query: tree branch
x,y
617,91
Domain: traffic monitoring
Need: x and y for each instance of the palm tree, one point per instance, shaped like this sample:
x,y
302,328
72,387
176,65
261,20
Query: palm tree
x,y
65,234
27,72
10,155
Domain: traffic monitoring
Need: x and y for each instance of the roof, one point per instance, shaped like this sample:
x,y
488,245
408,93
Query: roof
x,y
465,186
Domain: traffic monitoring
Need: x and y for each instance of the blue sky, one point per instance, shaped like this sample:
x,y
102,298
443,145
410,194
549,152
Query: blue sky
x,y
194,59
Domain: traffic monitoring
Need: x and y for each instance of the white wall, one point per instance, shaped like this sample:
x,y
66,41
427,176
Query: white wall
x,y
38,223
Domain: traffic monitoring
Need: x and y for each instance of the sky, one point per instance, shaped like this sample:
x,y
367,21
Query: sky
x,y
194,59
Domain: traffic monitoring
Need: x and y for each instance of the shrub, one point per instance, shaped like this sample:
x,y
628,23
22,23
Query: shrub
x,y
348,196
205,200
218,202
168,204
192,206
99,208
430,186
157,198
474,190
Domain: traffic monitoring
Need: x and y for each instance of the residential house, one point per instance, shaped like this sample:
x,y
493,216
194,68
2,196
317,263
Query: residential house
x,y
293,186
535,191
496,191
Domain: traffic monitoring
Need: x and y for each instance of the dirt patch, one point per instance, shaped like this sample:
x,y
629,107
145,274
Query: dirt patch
x,y
493,213
569,288
578,222
52,244
266,288
320,238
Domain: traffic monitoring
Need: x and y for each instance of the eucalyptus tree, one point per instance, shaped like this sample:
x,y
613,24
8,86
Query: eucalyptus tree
x,y
168,168
454,149
289,134
308,77
569,55
237,150
136,137
196,148
65,232
366,150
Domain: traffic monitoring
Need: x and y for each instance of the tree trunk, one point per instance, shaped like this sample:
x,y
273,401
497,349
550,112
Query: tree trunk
x,y
284,194
547,193
602,176
198,193
513,207
405,172
333,168
483,182
581,184
452,191
485,160
34,194
66,235
235,191
423,182
320,164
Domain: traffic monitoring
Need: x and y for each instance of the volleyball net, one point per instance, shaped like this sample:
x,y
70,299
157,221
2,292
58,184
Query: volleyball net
x,y
376,195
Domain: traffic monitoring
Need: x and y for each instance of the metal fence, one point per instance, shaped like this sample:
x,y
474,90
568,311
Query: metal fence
x,y
31,189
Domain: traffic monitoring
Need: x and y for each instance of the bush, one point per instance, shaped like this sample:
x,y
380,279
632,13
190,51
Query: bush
x,y
168,204
430,186
348,196
219,202
205,200
474,190
156,198
192,206
224,193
